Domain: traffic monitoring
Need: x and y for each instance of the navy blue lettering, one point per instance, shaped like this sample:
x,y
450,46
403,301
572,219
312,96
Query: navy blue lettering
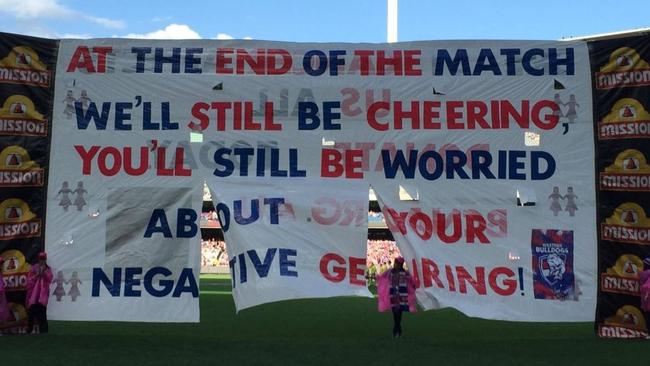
x,y
274,203
527,61
166,285
160,59
158,215
228,166
294,170
287,265
510,54
141,57
481,161
535,157
335,61
255,212
454,162
262,268
391,168
121,115
554,61
100,277
130,281
308,116
486,62
516,165
186,276
424,162
460,59
190,60
322,62
186,223
83,119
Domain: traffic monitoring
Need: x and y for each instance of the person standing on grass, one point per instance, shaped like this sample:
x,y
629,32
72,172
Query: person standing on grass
x,y
396,291
38,293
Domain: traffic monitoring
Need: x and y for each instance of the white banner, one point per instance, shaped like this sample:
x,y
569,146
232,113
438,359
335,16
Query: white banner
x,y
462,126
293,242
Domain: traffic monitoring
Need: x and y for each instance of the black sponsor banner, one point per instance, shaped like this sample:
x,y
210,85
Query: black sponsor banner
x,y
27,67
621,100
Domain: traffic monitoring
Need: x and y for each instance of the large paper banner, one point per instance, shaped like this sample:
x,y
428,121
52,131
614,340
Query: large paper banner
x,y
294,242
499,222
467,127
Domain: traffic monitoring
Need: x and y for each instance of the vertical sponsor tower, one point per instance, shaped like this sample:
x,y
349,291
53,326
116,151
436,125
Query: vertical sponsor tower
x,y
26,92
621,72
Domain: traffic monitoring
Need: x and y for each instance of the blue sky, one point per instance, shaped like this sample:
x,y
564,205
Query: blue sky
x,y
321,21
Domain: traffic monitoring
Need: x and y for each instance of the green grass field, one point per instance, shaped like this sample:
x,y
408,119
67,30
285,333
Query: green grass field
x,y
339,331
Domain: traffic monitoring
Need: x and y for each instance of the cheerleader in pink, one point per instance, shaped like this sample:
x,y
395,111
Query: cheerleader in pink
x,y
38,294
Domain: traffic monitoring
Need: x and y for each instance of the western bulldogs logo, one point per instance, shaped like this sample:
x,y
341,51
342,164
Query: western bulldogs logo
x,y
553,277
552,268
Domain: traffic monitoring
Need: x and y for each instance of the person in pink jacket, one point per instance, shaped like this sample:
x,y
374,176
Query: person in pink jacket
x,y
396,291
38,293
5,313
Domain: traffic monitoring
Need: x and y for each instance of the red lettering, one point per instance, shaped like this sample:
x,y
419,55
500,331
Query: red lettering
x,y
550,120
425,229
508,110
354,164
338,272
476,112
430,110
357,271
86,157
364,60
475,226
273,68
395,62
269,124
372,112
399,114
128,161
441,225
220,114
431,273
508,286
179,168
411,62
161,169
224,60
102,161
198,112
464,277
453,115
330,163
101,57
81,59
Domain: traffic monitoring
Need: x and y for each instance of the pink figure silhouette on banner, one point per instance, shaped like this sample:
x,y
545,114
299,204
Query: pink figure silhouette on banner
x,y
69,104
555,200
74,289
571,205
65,201
59,291
79,201
572,112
